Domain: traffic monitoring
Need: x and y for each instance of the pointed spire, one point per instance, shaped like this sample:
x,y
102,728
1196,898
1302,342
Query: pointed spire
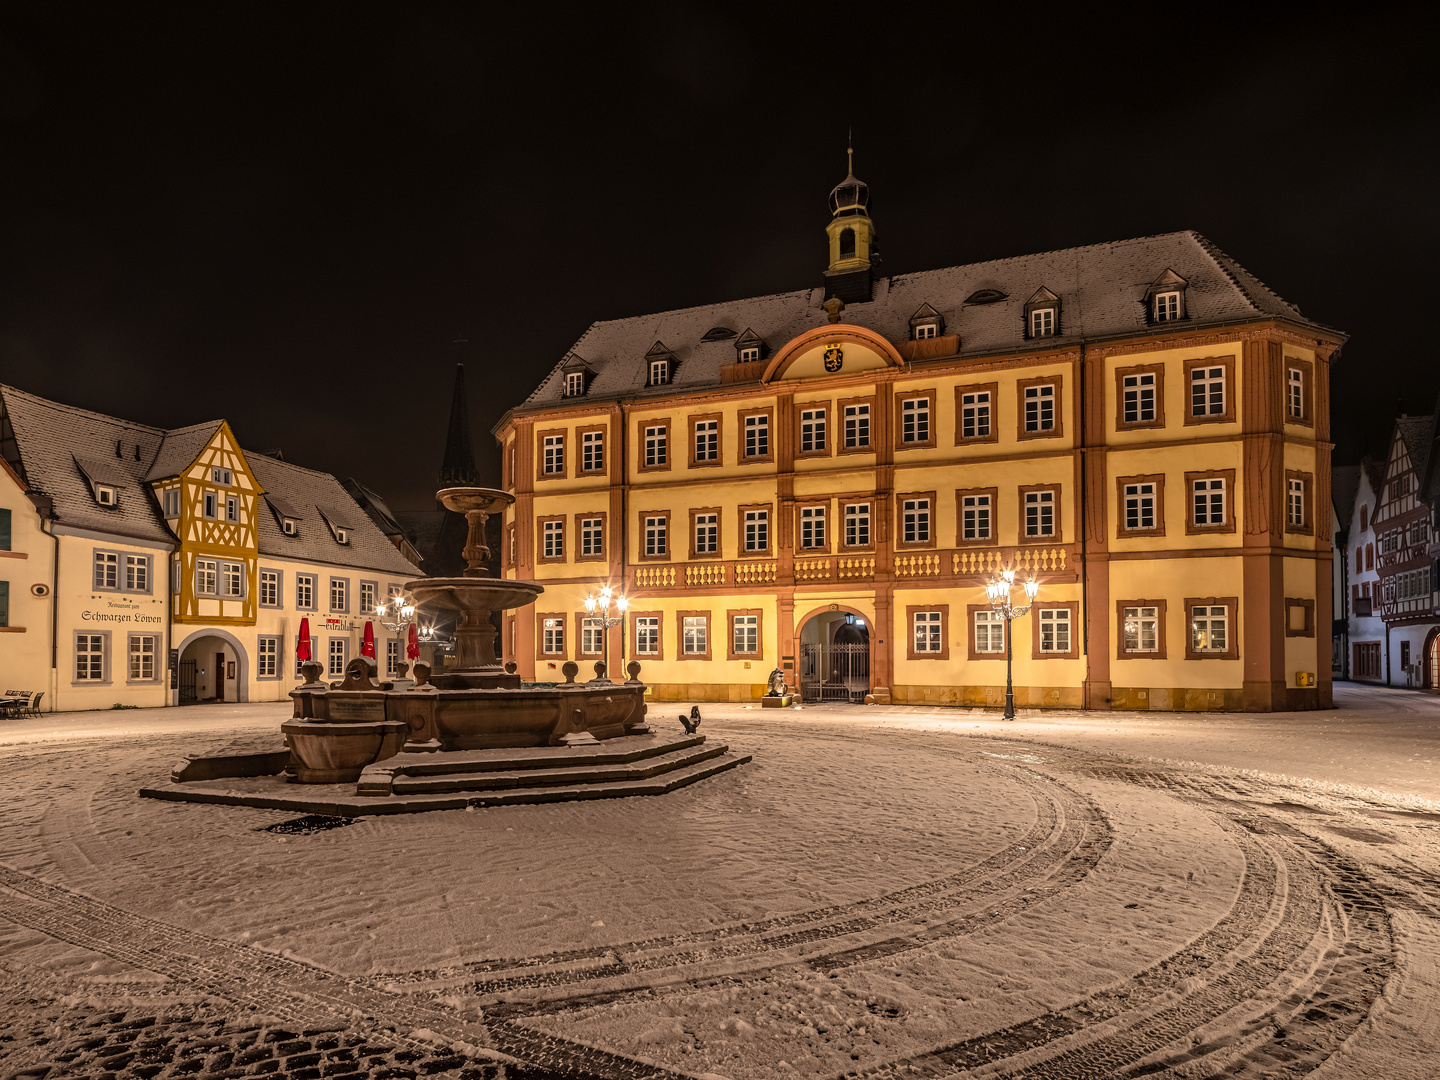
x,y
458,468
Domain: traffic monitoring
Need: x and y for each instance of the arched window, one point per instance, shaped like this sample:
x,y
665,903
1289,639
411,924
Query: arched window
x,y
1369,556
847,243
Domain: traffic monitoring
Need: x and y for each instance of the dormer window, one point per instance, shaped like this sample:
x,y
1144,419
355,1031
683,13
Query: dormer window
x,y
659,365
289,526
1042,322
659,372
172,502
222,476
575,384
926,324
749,348
1042,314
341,536
749,353
925,331
1165,299
105,495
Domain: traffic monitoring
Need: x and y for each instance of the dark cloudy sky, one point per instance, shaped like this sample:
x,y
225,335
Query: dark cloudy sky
x,y
286,215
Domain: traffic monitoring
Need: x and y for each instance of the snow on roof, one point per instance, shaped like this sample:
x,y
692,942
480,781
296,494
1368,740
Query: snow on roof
x,y
1102,290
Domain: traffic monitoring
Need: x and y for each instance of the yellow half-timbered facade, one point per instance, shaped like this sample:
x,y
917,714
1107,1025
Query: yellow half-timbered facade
x,y
823,482
147,567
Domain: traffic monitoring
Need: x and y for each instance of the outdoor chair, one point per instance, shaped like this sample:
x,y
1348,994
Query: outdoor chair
x,y
33,707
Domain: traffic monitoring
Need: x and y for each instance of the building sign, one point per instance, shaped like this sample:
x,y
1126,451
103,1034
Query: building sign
x,y
134,618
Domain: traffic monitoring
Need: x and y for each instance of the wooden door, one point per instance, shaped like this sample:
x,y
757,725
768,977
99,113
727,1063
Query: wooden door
x,y
219,676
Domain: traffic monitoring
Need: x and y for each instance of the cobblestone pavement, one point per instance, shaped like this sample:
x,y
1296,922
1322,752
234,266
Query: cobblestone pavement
x,y
1273,988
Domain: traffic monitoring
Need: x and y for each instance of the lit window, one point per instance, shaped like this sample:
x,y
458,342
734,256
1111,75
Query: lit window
x,y
1040,408
655,450
989,632
812,527
1055,630
857,426
1207,391
1142,629
575,384
812,430
592,451
927,632
553,542
695,635
659,372
925,331
655,538
1209,627
89,657
553,637
915,420
1042,322
1295,393
1138,398
142,657
757,436
707,534
647,635
339,647
592,537
857,525
1040,513
975,415
554,461
757,530
745,635
1166,306
207,577
107,570
707,440
1140,506
1209,502
975,517
915,521
1296,504
592,637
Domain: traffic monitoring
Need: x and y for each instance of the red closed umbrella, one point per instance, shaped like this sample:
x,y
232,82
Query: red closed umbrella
x,y
412,647
302,649
367,644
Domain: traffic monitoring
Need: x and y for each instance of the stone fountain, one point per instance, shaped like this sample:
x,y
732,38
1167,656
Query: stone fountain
x,y
339,729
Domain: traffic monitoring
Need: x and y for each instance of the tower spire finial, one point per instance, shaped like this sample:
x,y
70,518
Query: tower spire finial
x,y
850,151
457,469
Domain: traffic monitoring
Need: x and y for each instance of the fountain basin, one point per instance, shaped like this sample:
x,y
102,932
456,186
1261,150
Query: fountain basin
x,y
485,719
333,753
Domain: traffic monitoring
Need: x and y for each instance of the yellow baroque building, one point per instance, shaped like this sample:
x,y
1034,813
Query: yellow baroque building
x,y
823,482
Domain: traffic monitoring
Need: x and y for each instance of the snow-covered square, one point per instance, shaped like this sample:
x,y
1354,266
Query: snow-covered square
x,y
888,892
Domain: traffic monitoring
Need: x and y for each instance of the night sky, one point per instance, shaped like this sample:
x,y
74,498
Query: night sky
x,y
287,216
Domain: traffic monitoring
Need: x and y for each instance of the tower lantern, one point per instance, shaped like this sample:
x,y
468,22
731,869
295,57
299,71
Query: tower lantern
x,y
853,254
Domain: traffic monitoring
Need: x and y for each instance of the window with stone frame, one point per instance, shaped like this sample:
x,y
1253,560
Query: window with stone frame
x,y
695,635
744,634
1038,403
592,450
553,459
857,525
1140,396
207,577
929,636
989,633
1141,629
1211,628
339,594
1210,495
1141,502
592,636
916,517
142,657
656,451
812,430
647,635
1054,627
929,626
552,635
107,570
1039,517
976,516
368,591
269,588
756,427
755,523
339,655
915,420
592,537
812,527
655,532
267,657
90,657
705,526
553,539
857,426
1297,502
975,413
705,440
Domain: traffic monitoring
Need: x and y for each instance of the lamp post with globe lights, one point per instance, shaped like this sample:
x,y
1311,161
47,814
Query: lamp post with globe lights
x,y
403,610
998,590
600,605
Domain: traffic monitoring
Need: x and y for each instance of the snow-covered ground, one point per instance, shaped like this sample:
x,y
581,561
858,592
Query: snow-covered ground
x,y
898,892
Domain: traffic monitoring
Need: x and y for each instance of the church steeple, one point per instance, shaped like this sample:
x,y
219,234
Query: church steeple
x,y
458,467
852,239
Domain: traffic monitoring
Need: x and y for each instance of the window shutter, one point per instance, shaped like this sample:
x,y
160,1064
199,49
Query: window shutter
x,y
4,603
4,530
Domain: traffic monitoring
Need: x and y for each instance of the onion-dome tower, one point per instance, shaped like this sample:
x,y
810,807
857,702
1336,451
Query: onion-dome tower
x,y
853,255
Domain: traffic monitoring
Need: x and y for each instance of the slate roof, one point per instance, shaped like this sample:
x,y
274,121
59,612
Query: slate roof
x,y
1418,435
56,444
1102,290
1344,487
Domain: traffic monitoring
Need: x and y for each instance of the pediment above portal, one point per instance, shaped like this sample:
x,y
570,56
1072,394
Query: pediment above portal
x,y
831,350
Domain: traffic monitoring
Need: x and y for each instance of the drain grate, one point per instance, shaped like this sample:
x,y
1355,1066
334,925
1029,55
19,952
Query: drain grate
x,y
310,823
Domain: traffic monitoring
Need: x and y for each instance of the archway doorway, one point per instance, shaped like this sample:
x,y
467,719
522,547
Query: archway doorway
x,y
213,669
1432,660
835,657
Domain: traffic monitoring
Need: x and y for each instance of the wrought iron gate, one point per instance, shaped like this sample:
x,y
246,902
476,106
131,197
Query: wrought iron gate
x,y
187,682
835,673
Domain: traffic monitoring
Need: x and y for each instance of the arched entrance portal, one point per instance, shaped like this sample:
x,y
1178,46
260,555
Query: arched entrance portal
x,y
213,668
835,657
1432,660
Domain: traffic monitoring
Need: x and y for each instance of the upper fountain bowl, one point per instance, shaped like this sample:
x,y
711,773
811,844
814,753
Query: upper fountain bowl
x,y
464,500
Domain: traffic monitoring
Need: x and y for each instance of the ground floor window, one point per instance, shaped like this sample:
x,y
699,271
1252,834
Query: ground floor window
x,y
592,637
695,635
552,641
339,647
392,656
267,658
928,637
142,657
1140,629
1054,630
647,635
745,631
1367,660
90,657
989,632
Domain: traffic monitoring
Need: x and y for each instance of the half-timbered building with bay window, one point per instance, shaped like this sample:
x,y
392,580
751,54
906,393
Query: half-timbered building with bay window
x,y
822,481
147,567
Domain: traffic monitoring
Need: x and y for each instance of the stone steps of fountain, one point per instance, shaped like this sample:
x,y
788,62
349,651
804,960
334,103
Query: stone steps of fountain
x,y
531,775
606,789
612,752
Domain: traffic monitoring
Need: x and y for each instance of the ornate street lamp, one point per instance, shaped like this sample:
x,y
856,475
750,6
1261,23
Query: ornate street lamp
x,y
602,604
998,589
402,608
